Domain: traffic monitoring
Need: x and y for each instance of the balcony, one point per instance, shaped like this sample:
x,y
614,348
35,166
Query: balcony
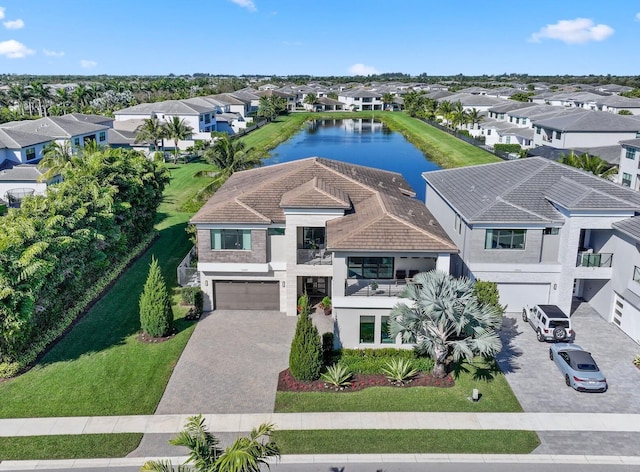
x,y
594,259
381,288
314,257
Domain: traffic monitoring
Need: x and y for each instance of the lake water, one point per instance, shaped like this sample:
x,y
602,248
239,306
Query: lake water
x,y
363,142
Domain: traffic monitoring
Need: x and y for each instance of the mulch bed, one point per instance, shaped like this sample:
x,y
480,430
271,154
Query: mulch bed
x,y
145,338
287,383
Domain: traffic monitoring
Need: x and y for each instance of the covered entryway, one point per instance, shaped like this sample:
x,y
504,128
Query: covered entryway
x,y
245,295
517,296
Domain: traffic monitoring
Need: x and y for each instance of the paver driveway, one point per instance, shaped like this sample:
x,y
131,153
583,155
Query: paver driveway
x,y
230,364
540,387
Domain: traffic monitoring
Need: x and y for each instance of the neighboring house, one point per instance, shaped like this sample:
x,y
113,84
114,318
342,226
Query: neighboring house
x,y
361,99
629,166
586,129
18,181
616,104
322,227
543,231
470,101
325,104
290,97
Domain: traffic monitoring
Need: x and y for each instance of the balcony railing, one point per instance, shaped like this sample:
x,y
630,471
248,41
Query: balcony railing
x,y
597,259
375,287
314,257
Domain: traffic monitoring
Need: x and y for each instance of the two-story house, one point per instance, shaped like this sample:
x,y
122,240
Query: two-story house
x,y
543,231
361,99
324,227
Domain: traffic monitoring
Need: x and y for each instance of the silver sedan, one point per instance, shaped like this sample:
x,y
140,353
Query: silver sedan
x,y
578,367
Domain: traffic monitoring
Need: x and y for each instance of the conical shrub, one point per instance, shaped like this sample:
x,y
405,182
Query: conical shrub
x,y
156,314
305,358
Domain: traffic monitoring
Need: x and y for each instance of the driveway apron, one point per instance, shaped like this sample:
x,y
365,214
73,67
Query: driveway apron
x,y
230,364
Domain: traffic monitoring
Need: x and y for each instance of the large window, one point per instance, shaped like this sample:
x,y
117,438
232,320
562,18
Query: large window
x,y
367,329
626,179
385,338
505,239
235,239
30,153
102,136
313,238
630,154
370,267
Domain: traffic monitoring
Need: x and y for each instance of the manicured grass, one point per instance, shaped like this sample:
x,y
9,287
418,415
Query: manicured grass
x,y
68,446
495,391
100,368
409,441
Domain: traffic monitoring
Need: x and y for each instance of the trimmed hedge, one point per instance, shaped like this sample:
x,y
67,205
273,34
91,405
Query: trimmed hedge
x,y
507,147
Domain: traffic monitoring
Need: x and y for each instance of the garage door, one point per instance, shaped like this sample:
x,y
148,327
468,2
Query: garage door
x,y
235,295
517,296
625,315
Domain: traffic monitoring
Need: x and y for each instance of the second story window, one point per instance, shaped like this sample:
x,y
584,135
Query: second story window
x,y
630,154
505,239
626,179
30,153
231,239
636,274
102,136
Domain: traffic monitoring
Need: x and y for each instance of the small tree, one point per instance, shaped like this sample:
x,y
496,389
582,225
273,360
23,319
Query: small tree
x,y
487,294
305,358
156,314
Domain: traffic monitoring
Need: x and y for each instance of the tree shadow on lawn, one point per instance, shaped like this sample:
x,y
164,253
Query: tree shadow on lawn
x,y
114,318
482,370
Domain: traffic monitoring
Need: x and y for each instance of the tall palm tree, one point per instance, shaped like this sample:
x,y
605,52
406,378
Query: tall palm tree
x,y
445,318
246,454
177,129
56,157
228,155
445,108
42,95
151,131
474,116
458,115
20,95
311,99
63,99
387,99
593,164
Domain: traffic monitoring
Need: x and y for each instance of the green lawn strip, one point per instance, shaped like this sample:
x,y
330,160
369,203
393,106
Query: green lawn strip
x,y
406,441
87,446
100,368
496,396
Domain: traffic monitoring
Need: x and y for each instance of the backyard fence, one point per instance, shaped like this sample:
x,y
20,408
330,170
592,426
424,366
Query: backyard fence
x,y
187,274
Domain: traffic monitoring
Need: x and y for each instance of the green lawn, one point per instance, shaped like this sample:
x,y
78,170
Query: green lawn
x,y
409,441
68,447
495,391
100,368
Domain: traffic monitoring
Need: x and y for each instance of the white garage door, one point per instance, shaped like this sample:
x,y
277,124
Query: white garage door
x,y
625,315
517,296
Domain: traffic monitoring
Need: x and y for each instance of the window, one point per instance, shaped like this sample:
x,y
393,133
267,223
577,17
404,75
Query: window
x,y
275,231
102,136
517,121
524,121
370,267
367,329
636,274
626,179
225,239
457,224
505,239
313,238
488,132
508,139
385,338
76,142
207,119
558,134
537,130
502,116
630,154
30,153
551,231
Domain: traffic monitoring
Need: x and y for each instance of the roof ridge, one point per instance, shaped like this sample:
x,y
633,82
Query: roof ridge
x,y
499,199
247,207
319,184
591,189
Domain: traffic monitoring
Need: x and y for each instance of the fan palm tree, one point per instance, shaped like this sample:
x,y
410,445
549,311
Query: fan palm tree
x,y
445,318
151,131
177,129
246,454
593,164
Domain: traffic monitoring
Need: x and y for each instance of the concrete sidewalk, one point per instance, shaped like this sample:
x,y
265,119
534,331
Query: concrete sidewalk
x,y
341,459
163,424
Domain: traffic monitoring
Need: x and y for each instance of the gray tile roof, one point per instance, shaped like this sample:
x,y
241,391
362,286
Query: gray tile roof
x,y
630,226
382,216
470,100
55,127
87,118
510,106
20,173
13,139
631,143
522,191
593,121
169,107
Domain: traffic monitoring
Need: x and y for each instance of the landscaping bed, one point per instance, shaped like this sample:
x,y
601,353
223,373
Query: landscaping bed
x,y
287,383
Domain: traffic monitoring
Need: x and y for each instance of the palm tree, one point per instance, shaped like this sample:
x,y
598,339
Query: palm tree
x,y
62,98
593,164
311,99
42,95
228,155
56,157
151,131
177,129
474,117
246,454
458,115
266,108
19,94
445,108
387,99
445,318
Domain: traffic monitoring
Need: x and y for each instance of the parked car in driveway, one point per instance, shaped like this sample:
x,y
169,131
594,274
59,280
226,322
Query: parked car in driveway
x,y
549,322
578,367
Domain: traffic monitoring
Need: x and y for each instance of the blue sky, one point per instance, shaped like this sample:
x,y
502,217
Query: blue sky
x,y
319,37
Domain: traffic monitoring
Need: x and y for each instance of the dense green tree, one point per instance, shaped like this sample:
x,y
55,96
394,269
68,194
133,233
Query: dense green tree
x,y
445,318
445,109
311,99
151,131
487,294
625,112
593,164
156,314
305,357
228,155
388,99
246,454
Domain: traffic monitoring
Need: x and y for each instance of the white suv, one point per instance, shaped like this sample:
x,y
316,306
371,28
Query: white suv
x,y
549,322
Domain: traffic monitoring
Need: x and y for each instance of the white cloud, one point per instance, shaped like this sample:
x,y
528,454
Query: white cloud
x,y
14,24
638,16
14,49
580,30
248,4
49,53
361,69
2,9
86,64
